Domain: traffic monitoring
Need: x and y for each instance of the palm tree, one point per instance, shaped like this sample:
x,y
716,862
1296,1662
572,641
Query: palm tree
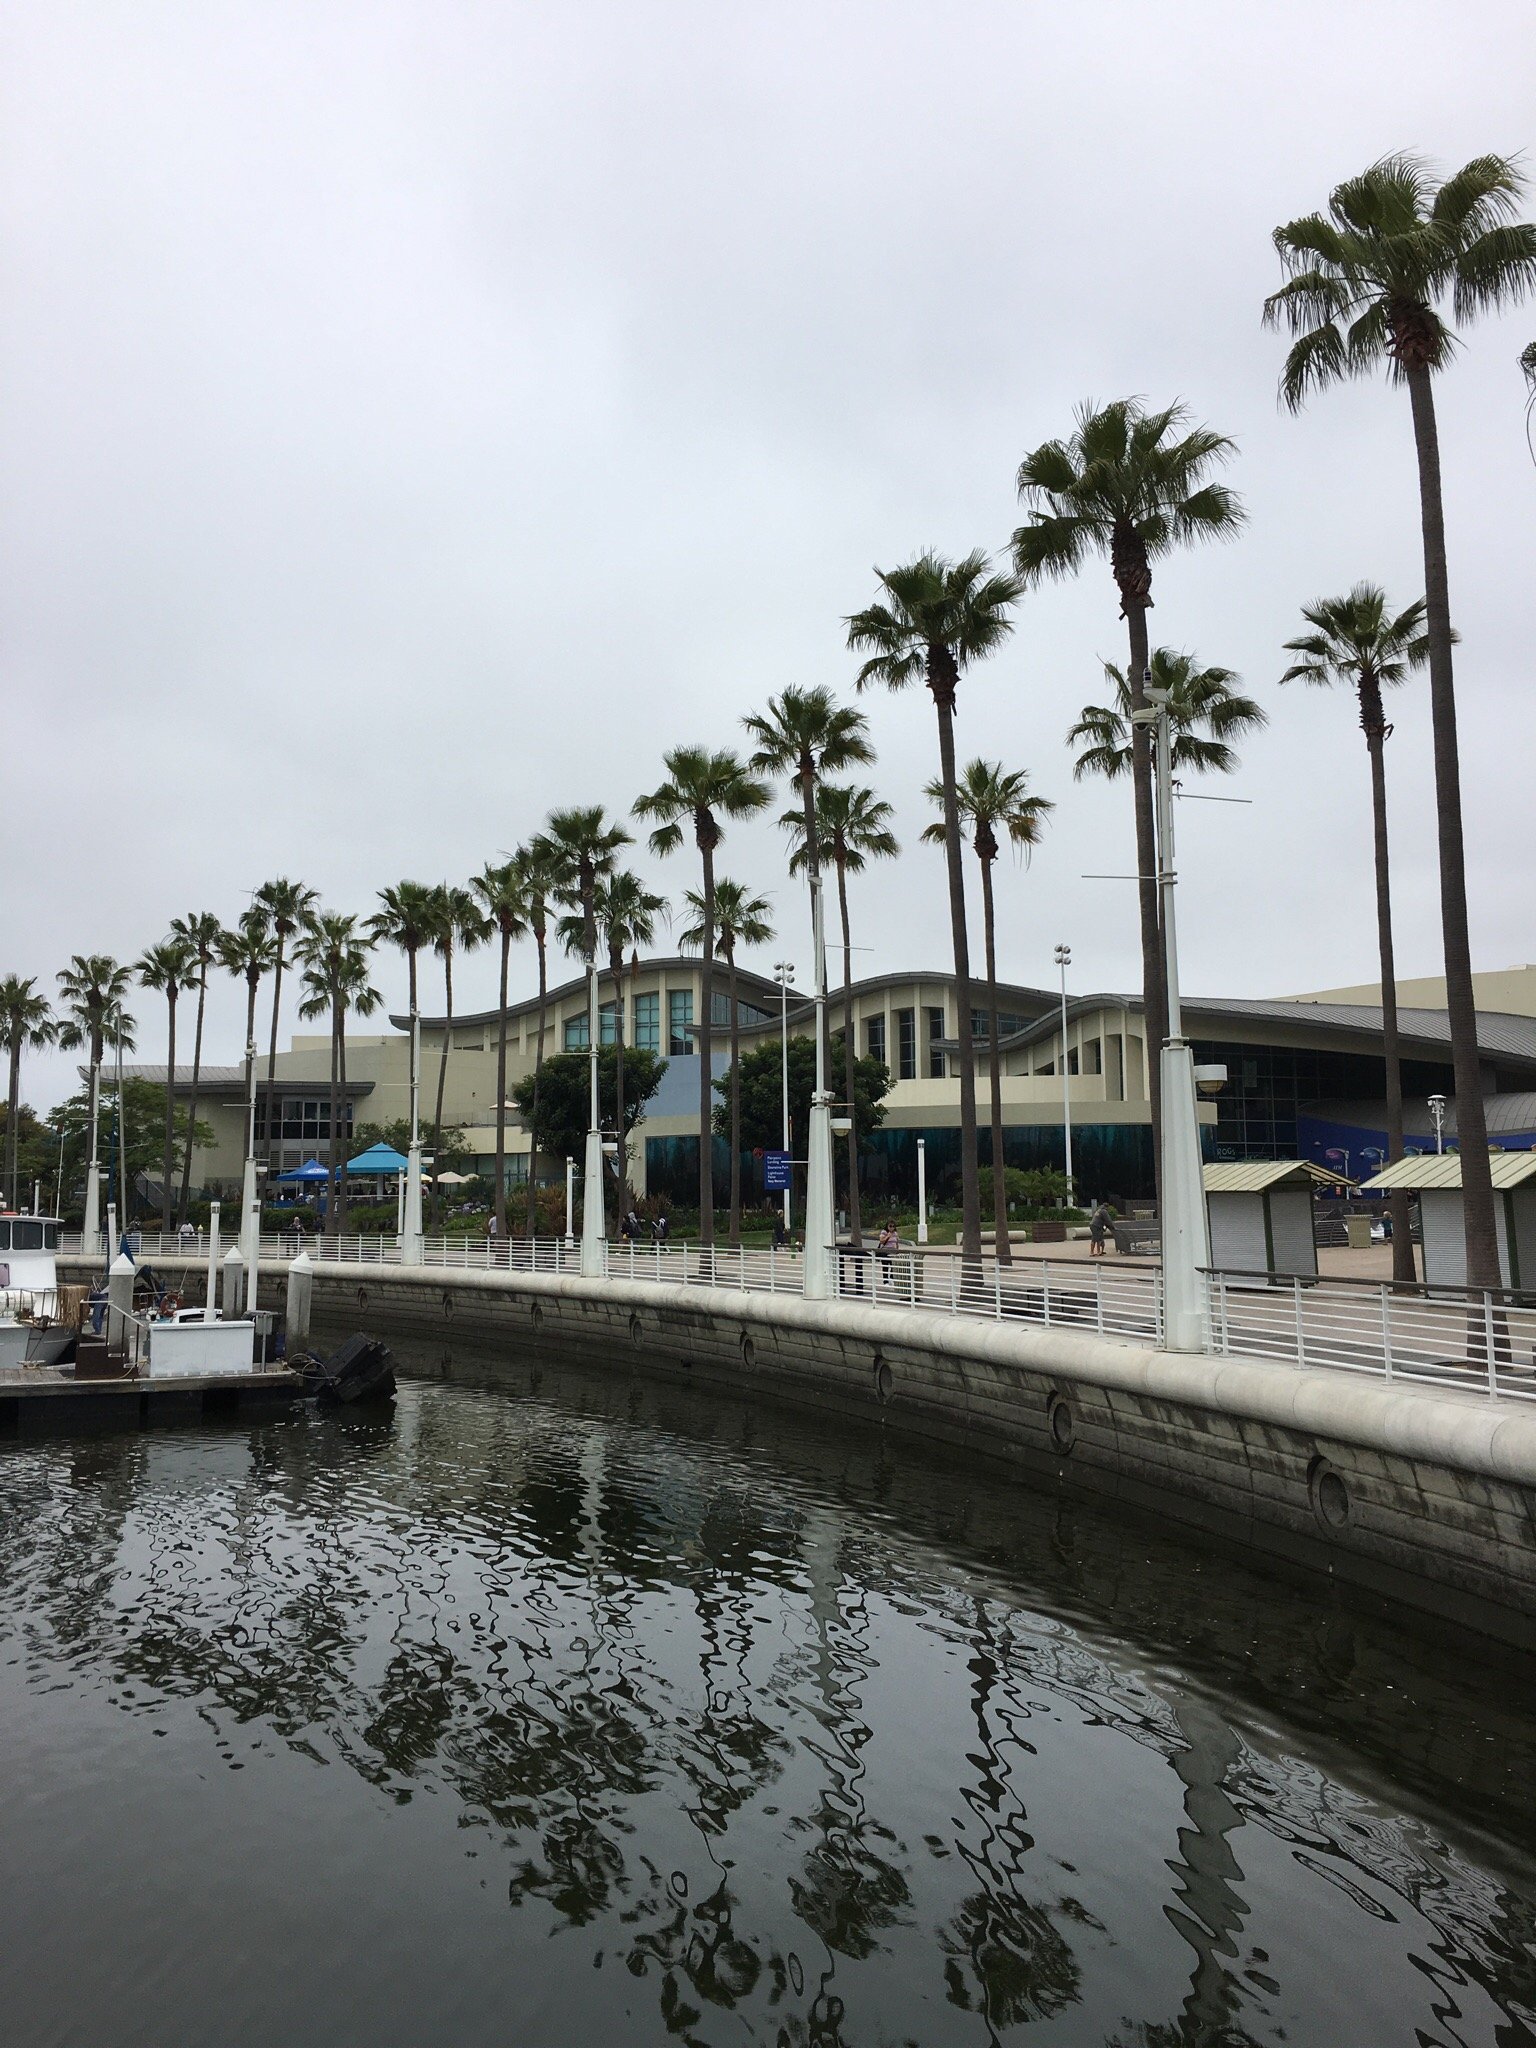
x,y
334,956
936,618
288,907
1205,714
503,896
248,952
1363,289
992,799
407,919
461,926
1131,485
702,787
806,735
535,865
25,1021
92,989
170,968
741,919
626,913
201,931
852,826
1356,642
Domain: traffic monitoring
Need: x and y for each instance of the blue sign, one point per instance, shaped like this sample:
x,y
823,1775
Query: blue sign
x,y
775,1172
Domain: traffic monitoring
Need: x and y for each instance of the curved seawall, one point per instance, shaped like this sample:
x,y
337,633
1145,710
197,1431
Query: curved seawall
x,y
1425,1494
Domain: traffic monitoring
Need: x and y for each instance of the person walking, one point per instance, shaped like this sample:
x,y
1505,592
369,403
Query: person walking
x,y
885,1247
1098,1229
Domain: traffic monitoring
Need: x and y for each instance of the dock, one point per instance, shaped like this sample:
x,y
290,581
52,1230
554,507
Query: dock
x,y
37,1399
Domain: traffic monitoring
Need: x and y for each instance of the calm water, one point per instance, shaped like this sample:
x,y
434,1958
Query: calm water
x,y
607,1713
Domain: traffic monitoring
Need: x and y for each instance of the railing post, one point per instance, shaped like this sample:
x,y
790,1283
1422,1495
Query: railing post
x,y
1386,1331
1301,1335
997,1291
1493,1363
954,1286
1098,1302
1045,1290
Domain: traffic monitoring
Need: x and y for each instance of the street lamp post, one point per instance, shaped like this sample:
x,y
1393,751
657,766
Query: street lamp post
x,y
922,1190
591,1264
90,1234
819,1229
410,1226
1437,1113
570,1203
1064,961
784,974
1186,1231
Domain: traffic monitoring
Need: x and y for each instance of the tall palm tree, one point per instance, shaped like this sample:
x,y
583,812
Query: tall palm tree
x,y
461,926
503,895
1205,715
201,931
853,828
535,865
92,992
702,787
25,1021
1131,485
1356,642
248,952
936,618
806,735
993,799
1364,285
169,968
334,955
741,919
287,907
626,913
407,919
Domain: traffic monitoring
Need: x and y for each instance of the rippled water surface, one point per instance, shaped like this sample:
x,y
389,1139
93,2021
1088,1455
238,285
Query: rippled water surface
x,y
590,1712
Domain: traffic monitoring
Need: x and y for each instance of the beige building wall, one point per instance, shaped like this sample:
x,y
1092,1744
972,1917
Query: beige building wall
x,y
1511,990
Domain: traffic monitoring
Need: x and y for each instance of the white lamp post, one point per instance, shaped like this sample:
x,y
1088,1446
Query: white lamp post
x,y
248,1204
410,1228
570,1204
1064,961
591,1265
784,974
922,1190
1186,1230
1437,1112
90,1232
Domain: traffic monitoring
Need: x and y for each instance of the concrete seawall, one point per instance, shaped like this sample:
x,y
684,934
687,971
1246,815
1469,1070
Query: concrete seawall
x,y
1426,1495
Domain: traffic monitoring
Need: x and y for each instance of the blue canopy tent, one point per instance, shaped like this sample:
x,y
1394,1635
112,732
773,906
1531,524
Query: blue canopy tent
x,y
311,1170
381,1159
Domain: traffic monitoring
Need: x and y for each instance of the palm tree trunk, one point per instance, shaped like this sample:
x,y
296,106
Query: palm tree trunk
x,y
442,1079
850,1054
1397,1203
1154,1002
501,1096
538,1074
333,1154
995,1075
1460,1000
12,1112
168,1164
943,688
735,1116
621,1157
706,1085
197,1074
341,1117
277,997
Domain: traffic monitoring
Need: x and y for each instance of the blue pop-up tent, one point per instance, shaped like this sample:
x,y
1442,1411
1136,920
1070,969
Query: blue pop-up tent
x,y
311,1170
377,1159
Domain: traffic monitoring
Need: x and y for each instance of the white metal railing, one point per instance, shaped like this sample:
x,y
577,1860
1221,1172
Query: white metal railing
x,y
1483,1339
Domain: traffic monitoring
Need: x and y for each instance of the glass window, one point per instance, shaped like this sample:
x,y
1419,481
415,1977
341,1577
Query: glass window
x,y
935,1033
50,1237
719,1007
648,1023
679,1020
575,1037
906,1045
874,1037
27,1237
607,1023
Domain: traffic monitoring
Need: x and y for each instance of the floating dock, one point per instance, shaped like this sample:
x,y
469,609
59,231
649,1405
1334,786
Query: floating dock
x,y
43,1398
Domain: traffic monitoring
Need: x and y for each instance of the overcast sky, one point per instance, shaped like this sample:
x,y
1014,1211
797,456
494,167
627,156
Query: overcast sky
x,y
413,416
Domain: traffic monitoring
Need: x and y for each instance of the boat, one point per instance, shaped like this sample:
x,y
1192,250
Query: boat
x,y
362,1370
35,1329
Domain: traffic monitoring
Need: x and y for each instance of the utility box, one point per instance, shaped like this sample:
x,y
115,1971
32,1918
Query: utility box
x,y
1436,1179
1261,1216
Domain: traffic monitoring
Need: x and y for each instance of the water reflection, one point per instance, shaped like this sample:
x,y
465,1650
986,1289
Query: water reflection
x,y
614,1713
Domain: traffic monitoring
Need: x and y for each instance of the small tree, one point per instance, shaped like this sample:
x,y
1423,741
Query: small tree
x,y
559,1127
762,1101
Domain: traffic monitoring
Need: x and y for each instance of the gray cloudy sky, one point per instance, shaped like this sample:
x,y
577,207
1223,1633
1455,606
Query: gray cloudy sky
x,y
413,416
